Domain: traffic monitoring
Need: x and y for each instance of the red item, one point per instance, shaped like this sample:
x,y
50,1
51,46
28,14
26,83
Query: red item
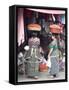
x,y
43,67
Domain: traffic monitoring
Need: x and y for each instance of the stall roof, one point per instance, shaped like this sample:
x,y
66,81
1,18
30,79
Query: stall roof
x,y
48,11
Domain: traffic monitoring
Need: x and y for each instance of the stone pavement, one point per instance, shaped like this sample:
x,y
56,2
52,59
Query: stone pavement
x,y
42,76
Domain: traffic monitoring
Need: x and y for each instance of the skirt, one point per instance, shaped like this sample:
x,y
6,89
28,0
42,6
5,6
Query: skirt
x,y
54,70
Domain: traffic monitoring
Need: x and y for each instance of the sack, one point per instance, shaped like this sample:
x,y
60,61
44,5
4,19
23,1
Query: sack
x,y
49,63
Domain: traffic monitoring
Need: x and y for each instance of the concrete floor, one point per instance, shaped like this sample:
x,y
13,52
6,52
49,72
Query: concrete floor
x,y
42,76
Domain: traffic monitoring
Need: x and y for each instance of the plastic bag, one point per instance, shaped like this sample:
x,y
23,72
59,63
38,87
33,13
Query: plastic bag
x,y
49,62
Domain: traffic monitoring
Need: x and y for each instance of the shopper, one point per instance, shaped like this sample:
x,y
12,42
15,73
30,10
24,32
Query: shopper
x,y
54,56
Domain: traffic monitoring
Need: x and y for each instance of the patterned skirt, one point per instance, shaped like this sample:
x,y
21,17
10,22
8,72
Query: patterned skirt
x,y
54,66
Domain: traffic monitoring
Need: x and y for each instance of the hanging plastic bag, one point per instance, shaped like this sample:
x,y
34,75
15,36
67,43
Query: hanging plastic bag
x,y
49,62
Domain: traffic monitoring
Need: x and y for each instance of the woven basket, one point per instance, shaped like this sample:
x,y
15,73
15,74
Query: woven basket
x,y
55,29
34,27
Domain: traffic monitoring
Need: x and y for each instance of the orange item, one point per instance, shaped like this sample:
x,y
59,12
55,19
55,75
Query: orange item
x,y
55,28
34,27
43,67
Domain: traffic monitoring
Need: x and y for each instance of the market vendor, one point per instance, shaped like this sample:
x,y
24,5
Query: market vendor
x,y
32,64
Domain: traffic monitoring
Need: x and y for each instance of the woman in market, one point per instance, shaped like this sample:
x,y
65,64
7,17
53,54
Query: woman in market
x,y
54,56
32,56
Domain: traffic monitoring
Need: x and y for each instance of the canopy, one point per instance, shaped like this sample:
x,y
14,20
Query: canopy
x,y
48,11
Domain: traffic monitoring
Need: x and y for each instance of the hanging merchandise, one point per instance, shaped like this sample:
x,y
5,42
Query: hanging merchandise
x,y
53,17
33,19
63,19
21,63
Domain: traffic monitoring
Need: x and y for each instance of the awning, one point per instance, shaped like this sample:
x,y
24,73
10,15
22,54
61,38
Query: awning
x,y
48,11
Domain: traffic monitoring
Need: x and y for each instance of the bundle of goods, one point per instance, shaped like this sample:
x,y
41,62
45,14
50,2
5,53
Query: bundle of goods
x,y
34,27
55,29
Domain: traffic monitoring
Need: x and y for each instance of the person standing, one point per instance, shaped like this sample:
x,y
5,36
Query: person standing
x,y
54,56
32,56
